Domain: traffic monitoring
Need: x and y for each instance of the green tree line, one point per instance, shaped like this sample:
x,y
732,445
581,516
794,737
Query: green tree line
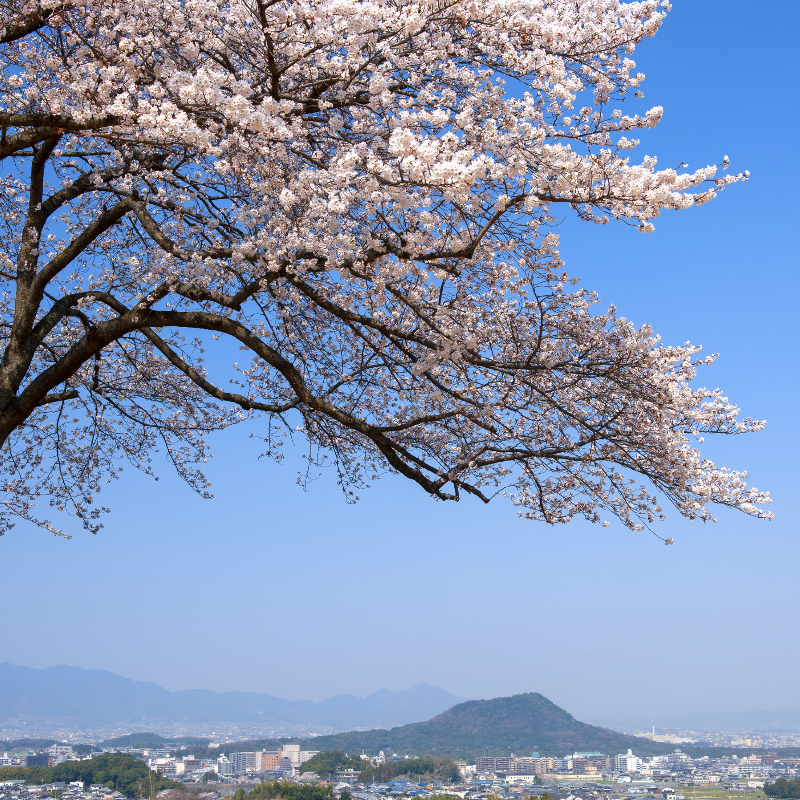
x,y
325,764
117,771
783,788
435,768
440,768
287,790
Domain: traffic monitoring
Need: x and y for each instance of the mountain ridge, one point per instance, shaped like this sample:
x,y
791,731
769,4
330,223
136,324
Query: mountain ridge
x,y
98,697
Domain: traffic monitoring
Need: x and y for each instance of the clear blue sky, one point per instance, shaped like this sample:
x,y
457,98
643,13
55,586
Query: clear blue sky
x,y
271,589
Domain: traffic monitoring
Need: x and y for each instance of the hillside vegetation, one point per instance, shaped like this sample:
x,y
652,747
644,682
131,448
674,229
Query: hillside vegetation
x,y
520,724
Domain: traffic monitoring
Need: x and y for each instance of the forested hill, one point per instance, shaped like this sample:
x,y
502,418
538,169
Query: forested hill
x,y
520,724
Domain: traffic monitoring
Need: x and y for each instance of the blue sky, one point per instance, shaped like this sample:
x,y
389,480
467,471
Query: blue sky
x,y
274,589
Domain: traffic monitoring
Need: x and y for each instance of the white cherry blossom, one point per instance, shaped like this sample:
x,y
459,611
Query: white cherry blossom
x,y
358,195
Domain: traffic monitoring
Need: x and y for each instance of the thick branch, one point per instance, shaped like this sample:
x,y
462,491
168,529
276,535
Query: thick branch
x,y
37,19
392,451
105,221
70,394
93,341
59,122
39,127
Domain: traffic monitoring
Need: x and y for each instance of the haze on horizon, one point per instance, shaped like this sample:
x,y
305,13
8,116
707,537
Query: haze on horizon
x,y
96,705
272,589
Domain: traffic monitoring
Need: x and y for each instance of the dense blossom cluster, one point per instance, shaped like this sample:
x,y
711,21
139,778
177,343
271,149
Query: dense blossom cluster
x,y
358,194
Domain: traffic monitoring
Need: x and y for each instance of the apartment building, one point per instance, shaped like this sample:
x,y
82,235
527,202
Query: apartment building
x,y
269,760
244,762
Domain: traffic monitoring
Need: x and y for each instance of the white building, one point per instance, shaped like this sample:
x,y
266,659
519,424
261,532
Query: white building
x,y
224,766
292,757
245,762
291,751
166,766
627,762
61,753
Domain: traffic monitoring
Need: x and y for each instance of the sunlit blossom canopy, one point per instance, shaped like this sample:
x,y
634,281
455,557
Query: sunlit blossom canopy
x,y
358,194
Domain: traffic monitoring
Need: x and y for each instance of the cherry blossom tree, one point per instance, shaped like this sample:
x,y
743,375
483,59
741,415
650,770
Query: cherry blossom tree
x,y
358,195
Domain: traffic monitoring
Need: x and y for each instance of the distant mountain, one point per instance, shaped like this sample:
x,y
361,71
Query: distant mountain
x,y
734,722
9,745
96,698
520,724
154,740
